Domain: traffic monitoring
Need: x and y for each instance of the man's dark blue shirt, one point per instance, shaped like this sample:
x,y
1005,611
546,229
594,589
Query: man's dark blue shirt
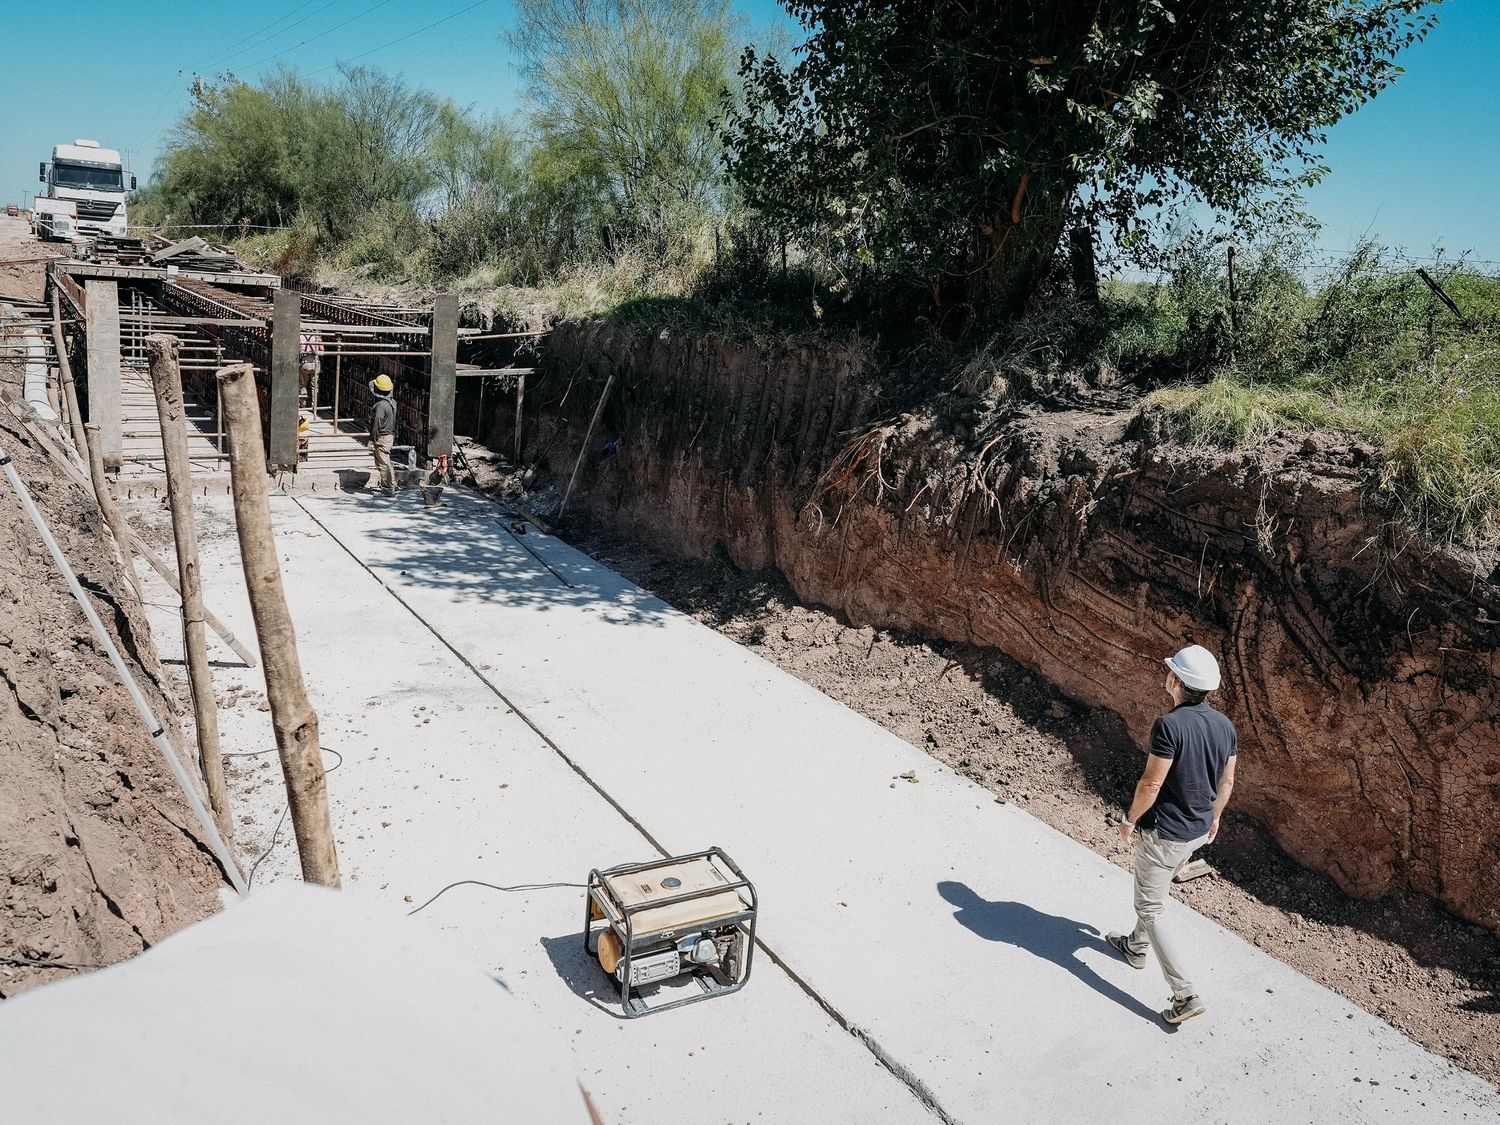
x,y
1199,741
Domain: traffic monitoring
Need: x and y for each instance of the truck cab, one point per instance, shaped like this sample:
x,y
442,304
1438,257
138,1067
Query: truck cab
x,y
87,185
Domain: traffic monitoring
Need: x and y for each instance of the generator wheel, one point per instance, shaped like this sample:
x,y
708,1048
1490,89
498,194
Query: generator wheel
x,y
610,951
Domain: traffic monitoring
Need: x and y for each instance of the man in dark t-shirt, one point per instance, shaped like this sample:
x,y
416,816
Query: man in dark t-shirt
x,y
1188,778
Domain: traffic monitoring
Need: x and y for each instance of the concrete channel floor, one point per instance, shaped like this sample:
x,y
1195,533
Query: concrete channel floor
x,y
955,939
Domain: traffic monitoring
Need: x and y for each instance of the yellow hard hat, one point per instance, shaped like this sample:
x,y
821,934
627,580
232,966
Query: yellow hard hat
x,y
383,383
302,426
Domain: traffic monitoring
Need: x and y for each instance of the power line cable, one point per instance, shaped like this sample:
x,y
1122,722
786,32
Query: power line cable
x,y
315,38
404,38
273,35
252,35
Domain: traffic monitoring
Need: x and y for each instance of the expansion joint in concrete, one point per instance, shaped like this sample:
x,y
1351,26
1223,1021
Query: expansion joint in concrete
x,y
918,1088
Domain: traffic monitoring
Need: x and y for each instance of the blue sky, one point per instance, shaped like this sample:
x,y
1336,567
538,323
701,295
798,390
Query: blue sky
x,y
1417,168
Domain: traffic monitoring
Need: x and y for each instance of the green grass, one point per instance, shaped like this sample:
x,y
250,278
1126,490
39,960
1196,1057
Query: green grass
x,y
1371,353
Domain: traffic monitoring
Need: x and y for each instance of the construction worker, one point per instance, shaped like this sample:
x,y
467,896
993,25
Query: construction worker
x,y
309,367
383,431
1178,801
304,429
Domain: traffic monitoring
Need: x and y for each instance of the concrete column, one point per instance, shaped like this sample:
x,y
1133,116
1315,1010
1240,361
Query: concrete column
x,y
443,380
102,317
286,326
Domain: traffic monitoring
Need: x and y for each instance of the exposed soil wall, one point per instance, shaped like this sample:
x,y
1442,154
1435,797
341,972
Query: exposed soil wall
x,y
1360,662
99,856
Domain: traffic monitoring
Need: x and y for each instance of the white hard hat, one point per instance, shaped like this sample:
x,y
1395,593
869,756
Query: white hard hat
x,y
1196,667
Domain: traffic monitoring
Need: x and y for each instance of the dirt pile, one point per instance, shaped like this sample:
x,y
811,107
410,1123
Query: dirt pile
x,y
99,855
1360,660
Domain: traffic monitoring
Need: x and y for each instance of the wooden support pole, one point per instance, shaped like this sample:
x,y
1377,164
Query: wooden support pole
x,y
161,352
113,518
292,716
65,371
520,405
588,437
102,311
286,327
442,381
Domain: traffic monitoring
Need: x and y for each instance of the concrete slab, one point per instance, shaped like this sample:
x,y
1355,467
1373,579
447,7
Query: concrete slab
x,y
435,780
959,937
246,1016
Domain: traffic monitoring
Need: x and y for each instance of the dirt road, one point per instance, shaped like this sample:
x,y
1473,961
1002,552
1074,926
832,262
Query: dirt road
x,y
23,260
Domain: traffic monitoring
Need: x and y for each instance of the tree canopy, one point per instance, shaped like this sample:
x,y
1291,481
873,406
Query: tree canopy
x,y
624,95
948,142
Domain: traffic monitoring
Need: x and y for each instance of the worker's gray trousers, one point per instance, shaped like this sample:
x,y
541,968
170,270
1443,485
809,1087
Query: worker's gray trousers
x,y
1156,861
381,448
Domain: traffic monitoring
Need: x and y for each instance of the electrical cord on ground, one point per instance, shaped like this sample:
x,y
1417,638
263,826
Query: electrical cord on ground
x,y
494,887
276,832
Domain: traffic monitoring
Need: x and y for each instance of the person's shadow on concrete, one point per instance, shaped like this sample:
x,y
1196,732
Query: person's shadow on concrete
x,y
1047,936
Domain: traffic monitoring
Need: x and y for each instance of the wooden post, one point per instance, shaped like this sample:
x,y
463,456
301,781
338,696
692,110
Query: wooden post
x,y
102,310
161,357
113,518
338,377
292,716
65,371
588,437
442,378
520,402
286,328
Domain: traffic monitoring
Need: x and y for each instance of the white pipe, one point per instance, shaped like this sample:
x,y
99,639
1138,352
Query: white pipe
x,y
158,734
34,368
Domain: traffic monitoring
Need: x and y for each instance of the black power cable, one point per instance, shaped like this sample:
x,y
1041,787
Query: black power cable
x,y
494,887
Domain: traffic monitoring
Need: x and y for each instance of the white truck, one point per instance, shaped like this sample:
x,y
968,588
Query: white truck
x,y
85,194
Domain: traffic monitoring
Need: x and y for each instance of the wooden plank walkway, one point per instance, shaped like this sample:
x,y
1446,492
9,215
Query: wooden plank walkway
x,y
330,450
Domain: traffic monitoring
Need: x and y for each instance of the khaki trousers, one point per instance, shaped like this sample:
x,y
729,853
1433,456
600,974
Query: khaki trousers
x,y
381,448
1156,861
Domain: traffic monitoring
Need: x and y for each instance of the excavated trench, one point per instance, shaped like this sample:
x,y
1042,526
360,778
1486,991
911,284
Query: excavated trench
x,y
99,854
1360,659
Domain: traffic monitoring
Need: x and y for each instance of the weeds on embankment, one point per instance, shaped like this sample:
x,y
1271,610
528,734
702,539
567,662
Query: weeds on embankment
x,y
1362,346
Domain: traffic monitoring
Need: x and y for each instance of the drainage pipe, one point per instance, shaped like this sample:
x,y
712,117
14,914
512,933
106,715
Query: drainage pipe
x,y
158,734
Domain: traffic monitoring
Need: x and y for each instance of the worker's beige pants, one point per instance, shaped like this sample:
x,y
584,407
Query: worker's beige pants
x,y
1156,861
381,448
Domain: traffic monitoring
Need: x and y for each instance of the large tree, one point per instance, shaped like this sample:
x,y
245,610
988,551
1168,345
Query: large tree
x,y
948,141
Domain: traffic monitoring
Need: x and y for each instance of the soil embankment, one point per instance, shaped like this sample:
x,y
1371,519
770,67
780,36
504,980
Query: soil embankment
x,y
1359,660
99,855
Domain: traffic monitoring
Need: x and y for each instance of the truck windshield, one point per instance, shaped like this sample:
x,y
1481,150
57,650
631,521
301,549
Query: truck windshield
x,y
82,176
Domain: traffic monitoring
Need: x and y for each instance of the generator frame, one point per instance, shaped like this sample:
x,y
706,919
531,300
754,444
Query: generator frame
x,y
601,902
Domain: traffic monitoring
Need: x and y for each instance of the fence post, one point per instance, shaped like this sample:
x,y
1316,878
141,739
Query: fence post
x,y
1234,306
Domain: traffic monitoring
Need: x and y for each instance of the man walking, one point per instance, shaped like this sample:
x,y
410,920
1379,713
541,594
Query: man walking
x,y
383,432
1178,801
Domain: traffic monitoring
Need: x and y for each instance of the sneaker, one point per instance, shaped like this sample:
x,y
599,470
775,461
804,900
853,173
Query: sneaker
x,y
1121,944
1184,1008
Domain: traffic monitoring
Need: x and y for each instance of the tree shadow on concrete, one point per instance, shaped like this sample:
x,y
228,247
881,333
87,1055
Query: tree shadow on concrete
x,y
1052,938
467,547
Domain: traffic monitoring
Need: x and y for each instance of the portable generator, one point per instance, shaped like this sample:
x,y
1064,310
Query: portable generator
x,y
690,917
